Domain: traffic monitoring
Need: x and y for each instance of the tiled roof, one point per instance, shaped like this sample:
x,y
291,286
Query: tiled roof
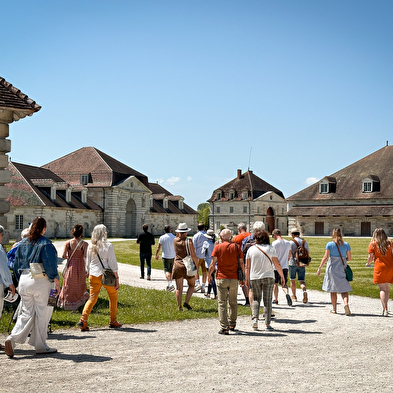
x,y
105,171
159,194
346,211
12,98
376,166
22,187
246,181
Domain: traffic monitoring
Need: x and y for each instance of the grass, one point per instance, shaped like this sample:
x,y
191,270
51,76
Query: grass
x,y
138,305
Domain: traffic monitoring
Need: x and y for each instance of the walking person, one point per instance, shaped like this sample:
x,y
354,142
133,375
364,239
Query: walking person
x,y
227,255
100,252
198,240
337,254
207,248
145,241
34,292
168,255
74,291
261,257
380,251
179,272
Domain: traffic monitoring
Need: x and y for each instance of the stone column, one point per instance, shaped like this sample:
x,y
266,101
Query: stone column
x,y
5,175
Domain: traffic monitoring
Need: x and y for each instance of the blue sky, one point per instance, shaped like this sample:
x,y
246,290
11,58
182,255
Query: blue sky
x,y
187,92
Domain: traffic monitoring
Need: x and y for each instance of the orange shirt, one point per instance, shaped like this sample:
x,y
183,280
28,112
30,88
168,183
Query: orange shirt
x,y
227,259
240,237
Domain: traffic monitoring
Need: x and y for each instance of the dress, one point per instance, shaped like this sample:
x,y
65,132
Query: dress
x,y
383,264
74,292
179,270
335,279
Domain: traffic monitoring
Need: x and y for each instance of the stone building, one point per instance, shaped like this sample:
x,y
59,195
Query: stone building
x,y
35,191
14,105
247,198
126,197
357,199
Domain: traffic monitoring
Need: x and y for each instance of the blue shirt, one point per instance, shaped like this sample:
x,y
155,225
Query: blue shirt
x,y
43,251
5,274
198,240
331,246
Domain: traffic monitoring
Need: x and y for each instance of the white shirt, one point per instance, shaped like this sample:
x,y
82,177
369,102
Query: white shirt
x,y
168,248
108,258
261,267
282,248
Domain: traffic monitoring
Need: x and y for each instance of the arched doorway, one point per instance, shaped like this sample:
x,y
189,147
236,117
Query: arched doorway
x,y
130,218
270,220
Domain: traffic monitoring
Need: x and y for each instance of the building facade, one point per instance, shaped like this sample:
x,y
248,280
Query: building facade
x,y
247,199
356,199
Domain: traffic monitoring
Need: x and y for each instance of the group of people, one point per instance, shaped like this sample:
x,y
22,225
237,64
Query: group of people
x,y
36,271
248,260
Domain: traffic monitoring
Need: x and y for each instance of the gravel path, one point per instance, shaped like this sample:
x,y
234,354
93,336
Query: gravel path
x,y
310,350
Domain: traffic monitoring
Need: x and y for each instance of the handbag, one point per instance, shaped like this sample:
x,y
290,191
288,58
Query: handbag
x,y
348,270
108,277
240,274
188,262
68,259
36,268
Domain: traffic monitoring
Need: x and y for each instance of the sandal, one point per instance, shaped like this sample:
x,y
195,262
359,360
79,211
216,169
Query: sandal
x,y
83,325
187,306
115,325
232,328
223,331
333,312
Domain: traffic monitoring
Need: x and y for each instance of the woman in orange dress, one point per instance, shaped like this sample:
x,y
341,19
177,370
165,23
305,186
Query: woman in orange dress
x,y
380,251
74,292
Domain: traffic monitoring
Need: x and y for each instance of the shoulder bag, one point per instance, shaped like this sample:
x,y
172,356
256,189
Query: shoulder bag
x,y
240,274
68,259
348,270
36,268
188,262
108,277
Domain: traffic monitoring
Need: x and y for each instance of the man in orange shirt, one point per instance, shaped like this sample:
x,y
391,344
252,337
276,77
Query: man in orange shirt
x,y
228,256
242,229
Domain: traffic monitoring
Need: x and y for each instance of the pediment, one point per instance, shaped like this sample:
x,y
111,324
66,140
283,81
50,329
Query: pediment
x,y
269,197
132,184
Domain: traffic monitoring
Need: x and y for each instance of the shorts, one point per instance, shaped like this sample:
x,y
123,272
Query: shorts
x,y
201,263
277,278
168,264
300,270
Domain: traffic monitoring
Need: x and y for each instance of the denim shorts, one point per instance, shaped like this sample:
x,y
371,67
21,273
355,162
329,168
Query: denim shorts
x,y
300,270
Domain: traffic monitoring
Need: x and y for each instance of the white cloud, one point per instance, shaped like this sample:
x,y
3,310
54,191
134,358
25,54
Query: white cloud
x,y
172,181
311,180
189,178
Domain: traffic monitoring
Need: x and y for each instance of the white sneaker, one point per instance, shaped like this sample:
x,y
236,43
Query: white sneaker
x,y
46,350
197,288
255,323
10,297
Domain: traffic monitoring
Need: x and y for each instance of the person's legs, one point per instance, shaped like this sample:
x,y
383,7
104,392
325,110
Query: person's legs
x,y
214,285
148,263
257,297
179,292
233,285
222,293
142,263
267,289
95,287
333,298
1,299
202,264
275,293
191,288
112,293
384,290
301,274
292,277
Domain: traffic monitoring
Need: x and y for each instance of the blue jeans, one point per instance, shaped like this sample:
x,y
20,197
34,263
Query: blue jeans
x,y
299,270
145,257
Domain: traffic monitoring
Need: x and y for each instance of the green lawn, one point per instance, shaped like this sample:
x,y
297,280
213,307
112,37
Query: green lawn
x,y
137,305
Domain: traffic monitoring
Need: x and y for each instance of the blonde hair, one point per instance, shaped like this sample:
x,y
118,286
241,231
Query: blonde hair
x,y
381,240
98,237
337,236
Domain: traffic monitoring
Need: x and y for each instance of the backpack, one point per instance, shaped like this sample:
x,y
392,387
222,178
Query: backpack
x,y
301,254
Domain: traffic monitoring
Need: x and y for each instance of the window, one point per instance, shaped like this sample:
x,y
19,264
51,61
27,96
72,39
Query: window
x,y
231,195
244,195
218,209
18,222
323,188
367,186
84,179
218,197
244,209
230,209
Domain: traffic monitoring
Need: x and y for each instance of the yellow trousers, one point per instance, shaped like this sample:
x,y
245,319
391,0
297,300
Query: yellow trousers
x,y
95,288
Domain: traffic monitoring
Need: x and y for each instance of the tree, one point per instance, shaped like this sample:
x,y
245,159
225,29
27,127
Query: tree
x,y
203,213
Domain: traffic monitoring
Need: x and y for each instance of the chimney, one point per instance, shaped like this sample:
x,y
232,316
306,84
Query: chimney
x,y
239,173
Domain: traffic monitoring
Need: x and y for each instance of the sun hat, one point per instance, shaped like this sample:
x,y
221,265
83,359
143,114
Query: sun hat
x,y
183,228
209,234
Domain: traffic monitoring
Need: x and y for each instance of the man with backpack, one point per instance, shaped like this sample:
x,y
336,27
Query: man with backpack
x,y
297,266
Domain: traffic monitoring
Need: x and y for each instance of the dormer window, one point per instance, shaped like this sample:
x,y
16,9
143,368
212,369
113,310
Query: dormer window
x,y
231,194
371,184
327,185
244,195
218,195
84,179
